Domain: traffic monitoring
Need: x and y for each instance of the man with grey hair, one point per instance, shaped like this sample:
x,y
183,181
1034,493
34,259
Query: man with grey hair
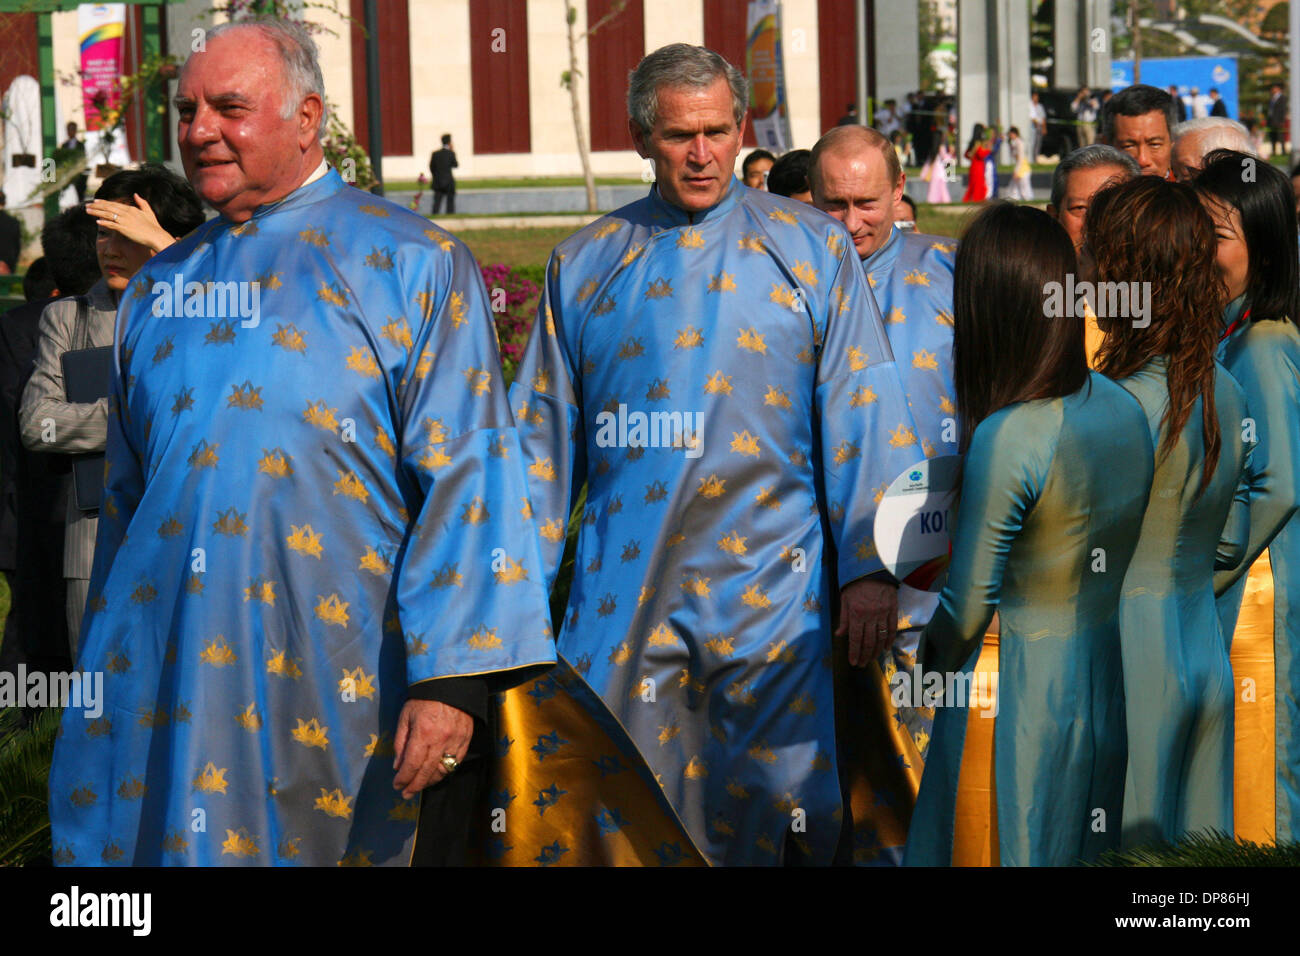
x,y
1079,177
311,453
709,360
1197,138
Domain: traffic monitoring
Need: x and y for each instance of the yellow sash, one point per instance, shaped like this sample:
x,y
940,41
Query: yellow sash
x,y
975,831
1255,734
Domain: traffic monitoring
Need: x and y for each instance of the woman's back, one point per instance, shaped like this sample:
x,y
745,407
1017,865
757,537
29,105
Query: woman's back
x,y
1052,499
1181,529
1177,679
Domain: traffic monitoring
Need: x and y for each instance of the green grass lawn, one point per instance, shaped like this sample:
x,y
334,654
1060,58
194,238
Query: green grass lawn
x,y
520,182
514,247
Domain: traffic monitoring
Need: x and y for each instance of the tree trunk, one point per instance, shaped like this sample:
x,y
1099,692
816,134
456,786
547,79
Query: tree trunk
x,y
1136,14
584,152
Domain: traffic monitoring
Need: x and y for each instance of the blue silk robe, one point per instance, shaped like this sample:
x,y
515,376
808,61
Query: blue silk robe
x,y
911,278
1264,357
700,606
1045,485
1177,678
307,510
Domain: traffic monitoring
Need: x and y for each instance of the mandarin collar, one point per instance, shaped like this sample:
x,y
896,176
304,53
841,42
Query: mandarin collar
x,y
883,259
666,215
1234,310
309,192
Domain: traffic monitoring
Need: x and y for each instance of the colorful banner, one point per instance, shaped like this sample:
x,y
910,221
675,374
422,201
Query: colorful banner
x,y
769,111
101,27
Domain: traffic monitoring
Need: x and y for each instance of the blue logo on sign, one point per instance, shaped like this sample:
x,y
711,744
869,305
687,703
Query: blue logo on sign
x,y
914,476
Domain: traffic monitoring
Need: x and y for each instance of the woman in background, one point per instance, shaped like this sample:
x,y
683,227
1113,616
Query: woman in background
x,y
977,153
993,137
1057,470
139,211
1255,223
1177,679
938,173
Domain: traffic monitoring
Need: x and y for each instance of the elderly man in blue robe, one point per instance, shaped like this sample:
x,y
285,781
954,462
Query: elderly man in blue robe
x,y
312,567
856,177
737,330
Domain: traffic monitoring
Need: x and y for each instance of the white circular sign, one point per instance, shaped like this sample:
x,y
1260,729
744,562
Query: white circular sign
x,y
913,523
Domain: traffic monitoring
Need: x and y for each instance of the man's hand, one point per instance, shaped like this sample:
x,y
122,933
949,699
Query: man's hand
x,y
427,729
869,616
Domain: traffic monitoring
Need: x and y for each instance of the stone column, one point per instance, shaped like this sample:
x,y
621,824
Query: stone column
x,y
992,65
897,65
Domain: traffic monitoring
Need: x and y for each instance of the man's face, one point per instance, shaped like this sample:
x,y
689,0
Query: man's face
x,y
1187,156
237,150
1146,139
1080,186
694,144
755,176
854,187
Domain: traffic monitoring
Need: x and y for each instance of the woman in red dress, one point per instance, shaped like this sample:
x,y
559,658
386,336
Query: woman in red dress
x,y
977,188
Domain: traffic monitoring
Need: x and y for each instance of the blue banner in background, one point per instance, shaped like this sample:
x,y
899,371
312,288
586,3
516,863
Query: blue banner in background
x,y
1185,72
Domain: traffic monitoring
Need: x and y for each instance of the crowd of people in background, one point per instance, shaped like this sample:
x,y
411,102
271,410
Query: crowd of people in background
x,y
1183,204
1126,525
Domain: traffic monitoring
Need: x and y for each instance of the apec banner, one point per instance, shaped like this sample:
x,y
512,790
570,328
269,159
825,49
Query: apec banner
x,y
100,27
1185,72
766,71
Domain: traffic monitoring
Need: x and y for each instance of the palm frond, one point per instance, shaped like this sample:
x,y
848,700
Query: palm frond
x,y
25,755
1205,848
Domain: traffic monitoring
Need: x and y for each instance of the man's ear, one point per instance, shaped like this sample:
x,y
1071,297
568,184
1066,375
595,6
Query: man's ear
x,y
1051,211
900,187
638,138
310,113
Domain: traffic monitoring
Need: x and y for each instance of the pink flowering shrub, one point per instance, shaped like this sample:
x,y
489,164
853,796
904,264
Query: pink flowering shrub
x,y
513,296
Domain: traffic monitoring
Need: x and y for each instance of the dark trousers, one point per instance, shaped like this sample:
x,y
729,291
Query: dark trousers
x,y
449,195
453,812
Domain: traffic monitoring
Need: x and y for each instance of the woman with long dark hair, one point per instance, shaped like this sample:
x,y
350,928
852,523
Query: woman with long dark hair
x,y
1058,464
977,152
1153,239
1253,209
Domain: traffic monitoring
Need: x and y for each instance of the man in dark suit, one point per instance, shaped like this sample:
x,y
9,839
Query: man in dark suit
x,y
441,164
34,486
1277,109
70,149
1219,108
11,240
1180,108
